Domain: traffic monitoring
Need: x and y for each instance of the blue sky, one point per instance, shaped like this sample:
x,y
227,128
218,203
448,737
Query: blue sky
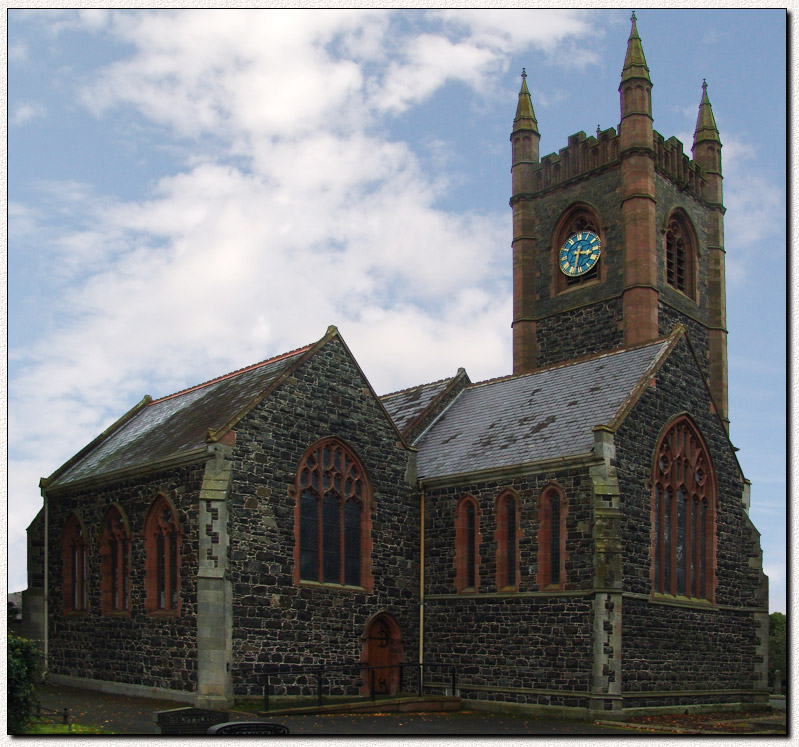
x,y
193,191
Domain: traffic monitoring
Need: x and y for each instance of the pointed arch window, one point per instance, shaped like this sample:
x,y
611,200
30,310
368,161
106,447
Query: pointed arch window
x,y
333,543
115,562
680,254
552,510
507,540
75,565
683,508
162,536
467,544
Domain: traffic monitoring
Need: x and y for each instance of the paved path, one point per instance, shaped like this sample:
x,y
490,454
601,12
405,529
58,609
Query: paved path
x,y
122,714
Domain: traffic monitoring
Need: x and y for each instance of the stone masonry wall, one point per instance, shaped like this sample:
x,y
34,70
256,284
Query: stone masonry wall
x,y
580,332
136,649
503,643
275,620
695,646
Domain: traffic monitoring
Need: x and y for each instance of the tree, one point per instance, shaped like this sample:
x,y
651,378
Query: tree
x,y
777,631
14,612
23,668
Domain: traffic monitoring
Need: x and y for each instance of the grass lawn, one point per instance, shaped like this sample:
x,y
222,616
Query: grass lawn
x,y
65,729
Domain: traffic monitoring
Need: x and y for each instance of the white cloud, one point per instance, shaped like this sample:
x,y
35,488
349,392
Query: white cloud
x,y
26,111
305,213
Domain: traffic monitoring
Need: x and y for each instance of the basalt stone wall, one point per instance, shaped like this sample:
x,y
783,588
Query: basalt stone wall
x,y
697,645
506,647
275,619
669,317
504,644
580,332
138,648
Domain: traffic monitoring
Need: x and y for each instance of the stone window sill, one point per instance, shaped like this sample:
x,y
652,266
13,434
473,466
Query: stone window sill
x,y
328,585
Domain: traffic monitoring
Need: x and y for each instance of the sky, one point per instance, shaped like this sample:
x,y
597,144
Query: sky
x,y
190,192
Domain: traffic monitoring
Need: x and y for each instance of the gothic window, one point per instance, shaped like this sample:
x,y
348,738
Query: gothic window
x,y
577,220
552,509
333,523
75,564
115,563
683,514
680,254
467,542
162,538
507,539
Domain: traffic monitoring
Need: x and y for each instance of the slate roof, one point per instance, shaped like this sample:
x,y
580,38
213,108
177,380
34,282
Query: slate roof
x,y
407,405
177,424
542,415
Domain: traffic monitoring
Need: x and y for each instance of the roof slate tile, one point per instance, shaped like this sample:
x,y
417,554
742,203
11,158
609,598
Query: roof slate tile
x,y
542,415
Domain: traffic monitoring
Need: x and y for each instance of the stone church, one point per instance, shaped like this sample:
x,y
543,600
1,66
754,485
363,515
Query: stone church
x,y
574,536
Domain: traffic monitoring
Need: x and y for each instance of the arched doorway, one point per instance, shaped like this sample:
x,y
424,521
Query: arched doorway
x,y
382,649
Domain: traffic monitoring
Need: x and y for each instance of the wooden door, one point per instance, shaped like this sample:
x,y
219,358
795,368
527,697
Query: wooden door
x,y
383,649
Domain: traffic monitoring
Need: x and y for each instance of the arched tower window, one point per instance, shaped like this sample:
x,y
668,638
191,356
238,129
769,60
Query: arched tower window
x,y
683,514
507,539
578,219
75,565
333,524
552,510
162,541
467,544
114,562
680,254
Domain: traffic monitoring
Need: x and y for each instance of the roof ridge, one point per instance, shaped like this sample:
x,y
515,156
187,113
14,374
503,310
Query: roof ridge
x,y
418,386
238,371
573,362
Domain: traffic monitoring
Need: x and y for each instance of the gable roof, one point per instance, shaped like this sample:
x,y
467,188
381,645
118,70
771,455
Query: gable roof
x,y
547,414
179,424
410,408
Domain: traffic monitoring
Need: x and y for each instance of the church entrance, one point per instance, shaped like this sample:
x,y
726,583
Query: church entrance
x,y
383,651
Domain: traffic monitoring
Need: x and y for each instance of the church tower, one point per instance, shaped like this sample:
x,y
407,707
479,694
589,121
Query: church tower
x,y
618,237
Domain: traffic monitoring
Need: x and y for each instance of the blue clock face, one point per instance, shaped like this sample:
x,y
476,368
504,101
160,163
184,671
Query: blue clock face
x,y
579,253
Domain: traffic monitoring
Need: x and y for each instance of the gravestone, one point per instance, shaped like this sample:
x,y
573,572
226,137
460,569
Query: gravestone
x,y
188,720
249,729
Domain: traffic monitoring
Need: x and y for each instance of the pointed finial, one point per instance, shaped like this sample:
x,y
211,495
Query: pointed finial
x,y
705,122
524,110
634,61
598,130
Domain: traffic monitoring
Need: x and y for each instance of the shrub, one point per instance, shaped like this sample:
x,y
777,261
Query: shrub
x,y
23,668
777,658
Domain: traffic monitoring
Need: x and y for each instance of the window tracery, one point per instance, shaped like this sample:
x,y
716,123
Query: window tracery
x,y
683,509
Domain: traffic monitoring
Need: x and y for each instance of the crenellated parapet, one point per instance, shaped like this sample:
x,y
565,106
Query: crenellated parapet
x,y
581,156
675,165
585,155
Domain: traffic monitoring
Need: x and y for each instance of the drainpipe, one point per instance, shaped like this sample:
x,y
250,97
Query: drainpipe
x,y
421,577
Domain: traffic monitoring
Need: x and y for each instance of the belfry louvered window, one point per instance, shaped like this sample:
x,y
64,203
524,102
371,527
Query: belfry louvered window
x,y
683,514
680,254
333,493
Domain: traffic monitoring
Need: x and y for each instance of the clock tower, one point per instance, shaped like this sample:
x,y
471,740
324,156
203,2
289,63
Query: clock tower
x,y
619,236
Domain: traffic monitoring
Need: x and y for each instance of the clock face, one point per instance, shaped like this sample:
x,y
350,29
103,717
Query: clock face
x,y
579,253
